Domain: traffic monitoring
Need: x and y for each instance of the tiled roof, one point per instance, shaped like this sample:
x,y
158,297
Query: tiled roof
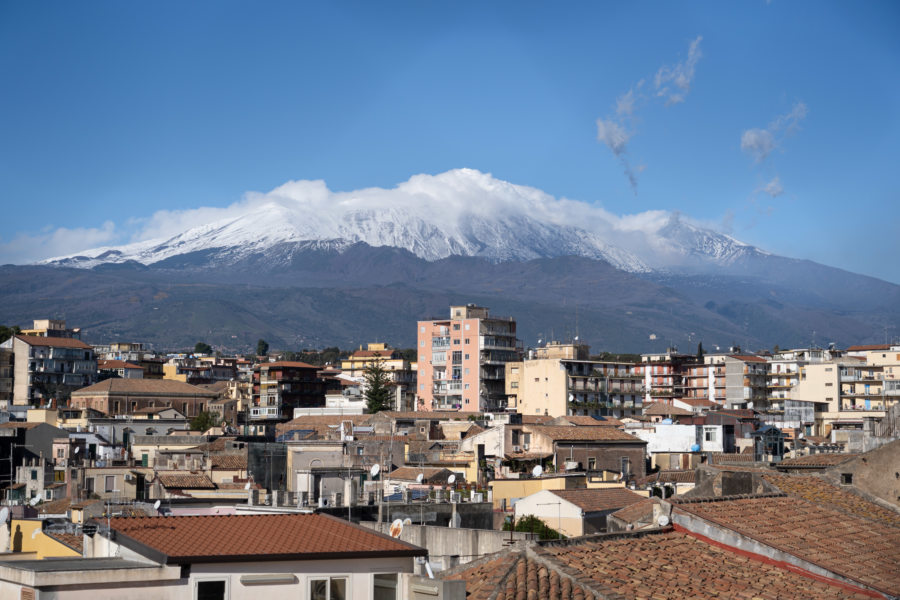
x,y
20,425
53,342
54,507
513,575
116,364
186,481
584,420
215,538
858,549
317,421
815,461
430,415
228,461
677,565
599,499
868,347
144,386
639,511
665,410
669,476
817,490
698,402
287,364
535,419
726,458
73,541
585,434
749,358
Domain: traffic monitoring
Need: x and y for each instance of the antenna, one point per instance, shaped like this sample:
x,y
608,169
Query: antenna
x,y
396,528
537,471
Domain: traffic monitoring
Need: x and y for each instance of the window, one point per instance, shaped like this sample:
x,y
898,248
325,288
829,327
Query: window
x,y
467,340
467,327
514,384
332,588
456,342
211,589
467,370
514,370
456,327
422,343
709,434
110,483
592,464
466,357
60,453
847,478
467,386
34,474
385,586
422,329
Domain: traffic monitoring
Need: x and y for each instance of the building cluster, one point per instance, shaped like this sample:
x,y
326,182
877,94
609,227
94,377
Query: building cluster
x,y
497,471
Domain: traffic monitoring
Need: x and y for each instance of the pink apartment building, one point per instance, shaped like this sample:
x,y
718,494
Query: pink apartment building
x,y
462,360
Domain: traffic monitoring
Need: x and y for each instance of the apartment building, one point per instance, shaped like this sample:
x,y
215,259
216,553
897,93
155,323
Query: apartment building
x,y
52,328
731,380
664,375
462,360
6,377
561,380
401,372
280,387
48,367
785,369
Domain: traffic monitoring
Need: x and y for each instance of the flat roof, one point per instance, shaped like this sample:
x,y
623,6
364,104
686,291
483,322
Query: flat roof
x,y
49,565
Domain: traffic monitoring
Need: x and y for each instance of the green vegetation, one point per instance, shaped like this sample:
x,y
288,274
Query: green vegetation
x,y
378,394
202,348
700,352
205,420
532,524
8,332
262,347
622,357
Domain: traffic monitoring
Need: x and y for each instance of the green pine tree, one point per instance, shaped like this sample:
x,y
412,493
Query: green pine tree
x,y
378,393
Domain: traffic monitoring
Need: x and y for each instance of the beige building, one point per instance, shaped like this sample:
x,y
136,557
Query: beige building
x,y
560,380
48,367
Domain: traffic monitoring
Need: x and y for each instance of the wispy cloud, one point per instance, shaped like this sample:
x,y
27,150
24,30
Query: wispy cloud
x,y
773,188
671,83
25,247
674,82
760,143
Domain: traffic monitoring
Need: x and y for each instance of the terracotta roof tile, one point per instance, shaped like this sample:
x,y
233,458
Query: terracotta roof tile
x,y
815,461
665,410
638,512
669,476
53,342
73,541
859,549
228,461
186,481
600,499
288,364
144,386
116,364
215,538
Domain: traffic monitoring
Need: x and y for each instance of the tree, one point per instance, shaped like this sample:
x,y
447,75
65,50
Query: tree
x,y
378,394
202,348
8,332
262,347
205,420
532,524
700,352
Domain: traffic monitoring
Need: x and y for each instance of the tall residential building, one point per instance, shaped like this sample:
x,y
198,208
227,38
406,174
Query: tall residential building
x,y
280,387
731,380
49,367
561,380
462,360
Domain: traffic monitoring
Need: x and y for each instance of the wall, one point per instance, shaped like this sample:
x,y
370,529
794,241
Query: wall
x,y
511,490
555,512
23,537
875,473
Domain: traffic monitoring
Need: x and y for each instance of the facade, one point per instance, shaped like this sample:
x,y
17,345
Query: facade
x,y
51,328
462,360
560,380
280,387
49,367
7,360
119,368
124,397
400,372
664,375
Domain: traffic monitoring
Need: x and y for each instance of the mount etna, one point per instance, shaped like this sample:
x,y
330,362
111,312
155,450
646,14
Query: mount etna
x,y
302,266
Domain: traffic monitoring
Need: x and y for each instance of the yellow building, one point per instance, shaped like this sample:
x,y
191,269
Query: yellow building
x,y
28,535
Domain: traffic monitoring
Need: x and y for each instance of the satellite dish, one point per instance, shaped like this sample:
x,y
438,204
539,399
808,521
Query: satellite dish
x,y
4,514
407,521
156,505
420,477
396,528
35,532
452,479
34,501
76,450
537,471
375,470
247,486
663,520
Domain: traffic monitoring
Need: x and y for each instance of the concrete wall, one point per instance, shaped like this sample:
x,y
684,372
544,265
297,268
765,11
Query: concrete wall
x,y
875,473
452,546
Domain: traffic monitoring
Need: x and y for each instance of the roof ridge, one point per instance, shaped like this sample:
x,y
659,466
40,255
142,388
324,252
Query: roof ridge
x,y
683,500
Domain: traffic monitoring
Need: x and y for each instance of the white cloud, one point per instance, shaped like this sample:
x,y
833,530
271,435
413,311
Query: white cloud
x,y
773,188
760,143
26,248
673,83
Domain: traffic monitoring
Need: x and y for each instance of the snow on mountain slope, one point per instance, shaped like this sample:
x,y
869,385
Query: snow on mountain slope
x,y
460,212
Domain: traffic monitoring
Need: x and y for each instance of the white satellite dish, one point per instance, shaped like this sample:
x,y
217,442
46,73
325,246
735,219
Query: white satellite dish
x,y
34,501
407,521
75,451
452,479
663,520
247,486
156,505
396,528
420,477
375,470
4,514
537,471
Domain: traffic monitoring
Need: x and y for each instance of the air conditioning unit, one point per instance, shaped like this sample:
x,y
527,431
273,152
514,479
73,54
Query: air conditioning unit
x,y
517,448
455,497
478,497
525,447
129,477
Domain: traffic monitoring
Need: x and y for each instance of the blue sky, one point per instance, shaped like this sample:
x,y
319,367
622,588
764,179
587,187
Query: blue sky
x,y
776,122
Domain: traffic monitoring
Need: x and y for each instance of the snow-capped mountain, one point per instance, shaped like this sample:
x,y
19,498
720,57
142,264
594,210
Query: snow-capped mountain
x,y
462,212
